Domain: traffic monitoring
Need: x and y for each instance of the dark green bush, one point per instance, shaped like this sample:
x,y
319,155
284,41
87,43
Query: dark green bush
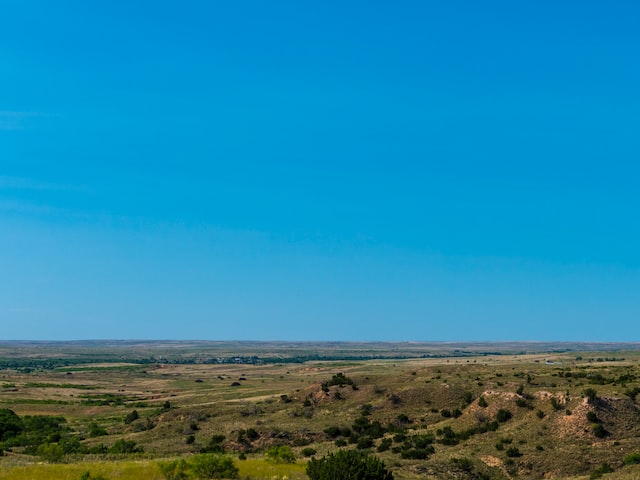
x,y
125,446
10,424
131,417
280,454
632,459
348,465
308,452
503,415
592,417
599,430
513,452
210,465
601,470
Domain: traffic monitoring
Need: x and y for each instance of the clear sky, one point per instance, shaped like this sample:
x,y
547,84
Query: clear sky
x,y
335,170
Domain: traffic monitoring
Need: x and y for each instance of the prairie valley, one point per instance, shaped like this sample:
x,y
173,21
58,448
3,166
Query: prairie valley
x,y
428,410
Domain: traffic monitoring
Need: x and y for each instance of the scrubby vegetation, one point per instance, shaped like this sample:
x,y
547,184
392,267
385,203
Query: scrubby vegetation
x,y
348,465
462,416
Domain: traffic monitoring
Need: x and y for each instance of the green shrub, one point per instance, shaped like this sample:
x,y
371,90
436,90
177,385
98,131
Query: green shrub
x,y
632,459
513,452
210,465
601,470
417,453
339,379
348,465
214,445
403,418
280,454
10,424
125,446
482,402
96,430
50,452
591,394
308,452
174,470
364,442
131,417
385,444
463,464
503,415
598,430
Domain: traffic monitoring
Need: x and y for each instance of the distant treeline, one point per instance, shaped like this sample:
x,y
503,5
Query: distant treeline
x,y
28,364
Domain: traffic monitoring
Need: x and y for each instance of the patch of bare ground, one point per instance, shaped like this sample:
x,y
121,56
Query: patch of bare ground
x,y
620,417
495,462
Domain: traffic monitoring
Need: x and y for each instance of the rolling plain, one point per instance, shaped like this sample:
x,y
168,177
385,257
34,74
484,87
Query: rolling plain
x,y
118,410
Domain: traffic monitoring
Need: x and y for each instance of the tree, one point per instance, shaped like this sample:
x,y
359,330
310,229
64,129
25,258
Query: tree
x,y
131,417
10,424
591,394
348,465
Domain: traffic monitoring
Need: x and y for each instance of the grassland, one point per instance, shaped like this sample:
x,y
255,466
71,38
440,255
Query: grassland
x,y
437,401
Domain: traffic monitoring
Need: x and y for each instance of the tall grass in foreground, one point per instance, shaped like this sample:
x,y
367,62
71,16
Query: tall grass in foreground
x,y
142,470
256,469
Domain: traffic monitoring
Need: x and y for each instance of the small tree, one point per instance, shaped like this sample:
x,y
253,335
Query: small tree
x,y
591,394
10,424
51,452
280,454
348,465
131,417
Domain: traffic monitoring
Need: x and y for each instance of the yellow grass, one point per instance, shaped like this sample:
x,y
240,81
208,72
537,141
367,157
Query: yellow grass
x,y
256,469
259,469
142,470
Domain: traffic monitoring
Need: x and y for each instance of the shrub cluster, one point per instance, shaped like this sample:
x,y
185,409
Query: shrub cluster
x,y
205,465
348,465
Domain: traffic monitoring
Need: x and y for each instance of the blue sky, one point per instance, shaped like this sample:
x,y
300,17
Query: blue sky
x,y
320,171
